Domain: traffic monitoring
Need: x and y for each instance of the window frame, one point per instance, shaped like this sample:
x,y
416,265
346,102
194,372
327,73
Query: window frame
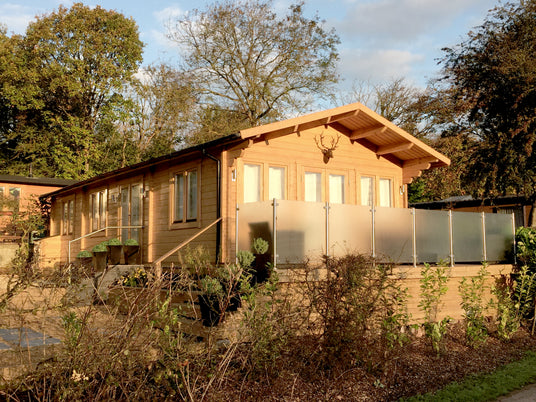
x,y
260,193
391,193
285,181
185,221
98,217
67,217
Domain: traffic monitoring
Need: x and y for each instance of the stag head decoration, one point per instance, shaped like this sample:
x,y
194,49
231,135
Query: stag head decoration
x,y
327,150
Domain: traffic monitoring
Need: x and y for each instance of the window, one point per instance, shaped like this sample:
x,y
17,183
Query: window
x,y
385,193
97,207
2,191
276,183
336,188
68,217
252,183
313,187
367,191
186,196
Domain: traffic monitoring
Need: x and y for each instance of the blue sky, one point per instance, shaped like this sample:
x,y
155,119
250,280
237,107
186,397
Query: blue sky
x,y
380,39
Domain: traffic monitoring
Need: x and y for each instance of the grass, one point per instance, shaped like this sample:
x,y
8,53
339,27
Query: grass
x,y
487,387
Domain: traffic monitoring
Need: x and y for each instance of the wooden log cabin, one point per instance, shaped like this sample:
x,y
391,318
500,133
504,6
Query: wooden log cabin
x,y
348,154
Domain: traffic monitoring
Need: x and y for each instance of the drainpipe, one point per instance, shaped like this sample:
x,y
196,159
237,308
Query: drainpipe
x,y
218,202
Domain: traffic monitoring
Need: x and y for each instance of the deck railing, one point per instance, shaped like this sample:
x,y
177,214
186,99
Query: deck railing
x,y
298,230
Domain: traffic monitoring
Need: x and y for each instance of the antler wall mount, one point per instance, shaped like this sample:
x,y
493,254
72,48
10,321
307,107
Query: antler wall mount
x,y
327,150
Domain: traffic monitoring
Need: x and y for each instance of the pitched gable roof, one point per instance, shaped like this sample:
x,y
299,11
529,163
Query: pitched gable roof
x,y
366,127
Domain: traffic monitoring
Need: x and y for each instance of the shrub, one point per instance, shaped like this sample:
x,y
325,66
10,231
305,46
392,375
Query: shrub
x,y
433,287
84,254
245,258
361,309
100,248
472,295
260,246
507,319
131,242
114,242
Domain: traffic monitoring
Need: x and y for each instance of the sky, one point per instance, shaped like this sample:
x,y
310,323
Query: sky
x,y
381,40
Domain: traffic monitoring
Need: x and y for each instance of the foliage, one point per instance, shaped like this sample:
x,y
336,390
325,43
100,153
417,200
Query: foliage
x,y
358,298
131,242
196,261
100,248
493,72
65,72
260,246
526,247
136,278
433,286
113,242
524,293
245,258
211,286
507,319
246,59
472,295
84,254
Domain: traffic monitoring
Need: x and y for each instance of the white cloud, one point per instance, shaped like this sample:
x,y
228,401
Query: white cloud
x,y
401,20
376,65
16,17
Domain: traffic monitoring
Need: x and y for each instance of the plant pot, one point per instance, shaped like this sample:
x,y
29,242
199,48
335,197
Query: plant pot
x,y
99,260
261,271
210,310
114,254
132,254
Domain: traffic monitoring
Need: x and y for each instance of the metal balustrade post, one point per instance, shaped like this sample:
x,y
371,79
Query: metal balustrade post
x,y
236,233
451,240
484,250
373,210
414,237
274,232
326,207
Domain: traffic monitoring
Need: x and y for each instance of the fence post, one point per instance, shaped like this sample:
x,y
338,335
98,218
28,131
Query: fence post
x,y
484,250
274,232
236,233
372,210
451,240
326,207
414,237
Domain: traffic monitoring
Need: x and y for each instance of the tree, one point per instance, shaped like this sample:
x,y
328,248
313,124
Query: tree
x,y
494,72
150,119
247,61
71,65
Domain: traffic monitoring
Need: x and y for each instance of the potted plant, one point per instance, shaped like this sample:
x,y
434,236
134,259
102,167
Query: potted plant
x,y
114,251
210,300
131,251
262,260
100,254
85,260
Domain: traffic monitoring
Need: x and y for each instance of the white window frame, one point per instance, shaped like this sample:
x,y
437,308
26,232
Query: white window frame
x,y
67,217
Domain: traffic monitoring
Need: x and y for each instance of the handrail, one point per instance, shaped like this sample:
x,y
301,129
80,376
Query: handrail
x,y
157,264
97,231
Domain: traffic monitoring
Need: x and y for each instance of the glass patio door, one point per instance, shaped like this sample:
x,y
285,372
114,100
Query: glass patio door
x,y
131,211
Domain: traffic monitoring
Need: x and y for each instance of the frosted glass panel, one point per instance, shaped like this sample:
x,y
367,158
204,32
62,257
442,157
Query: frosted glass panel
x,y
499,236
252,183
300,231
313,187
336,189
432,236
367,191
350,229
467,237
393,233
254,220
276,185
